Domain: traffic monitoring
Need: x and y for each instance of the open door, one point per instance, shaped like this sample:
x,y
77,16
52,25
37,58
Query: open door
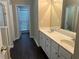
x,y
23,16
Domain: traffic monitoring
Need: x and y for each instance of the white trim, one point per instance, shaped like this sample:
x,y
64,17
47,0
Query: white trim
x,y
11,46
11,22
31,36
17,17
36,43
18,36
22,5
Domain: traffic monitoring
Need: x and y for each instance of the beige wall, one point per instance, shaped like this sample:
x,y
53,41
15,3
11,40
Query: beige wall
x,y
50,13
56,13
44,12
9,22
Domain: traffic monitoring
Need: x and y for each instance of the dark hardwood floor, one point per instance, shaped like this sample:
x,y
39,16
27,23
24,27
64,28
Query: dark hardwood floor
x,y
26,48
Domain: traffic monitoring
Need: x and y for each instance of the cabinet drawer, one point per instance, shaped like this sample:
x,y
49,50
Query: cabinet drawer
x,y
54,44
41,35
48,47
47,42
64,53
48,52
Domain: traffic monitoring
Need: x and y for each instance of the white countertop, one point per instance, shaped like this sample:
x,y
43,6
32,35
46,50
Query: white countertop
x,y
57,37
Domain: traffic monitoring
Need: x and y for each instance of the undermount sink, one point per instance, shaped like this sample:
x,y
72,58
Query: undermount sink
x,y
68,33
69,42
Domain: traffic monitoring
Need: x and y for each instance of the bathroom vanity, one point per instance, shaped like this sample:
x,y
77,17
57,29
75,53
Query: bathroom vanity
x,y
57,33
56,45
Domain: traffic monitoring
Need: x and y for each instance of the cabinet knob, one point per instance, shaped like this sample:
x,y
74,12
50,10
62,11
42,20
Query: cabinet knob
x,y
58,55
47,45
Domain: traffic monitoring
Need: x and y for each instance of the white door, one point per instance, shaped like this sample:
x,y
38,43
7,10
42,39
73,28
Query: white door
x,y
1,15
3,43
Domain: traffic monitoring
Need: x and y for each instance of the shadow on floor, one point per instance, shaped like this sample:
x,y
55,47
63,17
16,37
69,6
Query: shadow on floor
x,y
26,48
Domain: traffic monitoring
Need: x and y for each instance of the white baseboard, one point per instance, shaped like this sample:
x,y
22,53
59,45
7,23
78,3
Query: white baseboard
x,y
31,36
18,36
36,43
10,46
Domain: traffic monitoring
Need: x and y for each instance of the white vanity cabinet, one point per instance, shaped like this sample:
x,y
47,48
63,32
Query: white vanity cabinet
x,y
45,43
58,52
52,49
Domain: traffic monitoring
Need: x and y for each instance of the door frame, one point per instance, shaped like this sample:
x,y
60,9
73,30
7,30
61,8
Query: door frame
x,y
17,18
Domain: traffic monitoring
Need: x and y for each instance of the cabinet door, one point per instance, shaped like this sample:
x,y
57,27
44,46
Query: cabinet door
x,y
54,53
48,48
63,54
42,41
41,38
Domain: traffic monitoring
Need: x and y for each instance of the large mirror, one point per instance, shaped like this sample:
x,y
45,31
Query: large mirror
x,y
64,15
70,21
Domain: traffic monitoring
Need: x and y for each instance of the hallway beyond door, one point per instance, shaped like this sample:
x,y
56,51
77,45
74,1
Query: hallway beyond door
x,y
23,13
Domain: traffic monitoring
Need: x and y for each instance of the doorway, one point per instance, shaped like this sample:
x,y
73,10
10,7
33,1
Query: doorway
x,y
23,16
